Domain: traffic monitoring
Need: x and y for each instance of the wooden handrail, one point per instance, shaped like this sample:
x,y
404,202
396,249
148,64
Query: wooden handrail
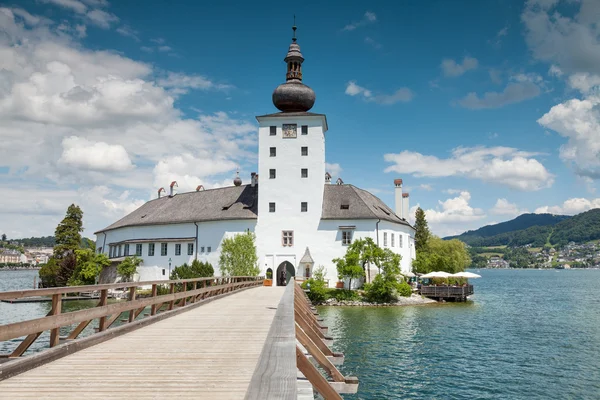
x,y
275,374
109,313
18,294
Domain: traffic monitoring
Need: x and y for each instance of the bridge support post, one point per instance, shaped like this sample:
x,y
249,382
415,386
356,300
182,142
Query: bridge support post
x,y
56,308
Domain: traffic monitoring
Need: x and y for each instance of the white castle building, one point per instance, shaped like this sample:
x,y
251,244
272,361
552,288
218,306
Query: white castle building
x,y
301,219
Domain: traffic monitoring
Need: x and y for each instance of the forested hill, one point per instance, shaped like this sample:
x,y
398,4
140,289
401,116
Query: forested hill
x,y
49,241
523,221
579,228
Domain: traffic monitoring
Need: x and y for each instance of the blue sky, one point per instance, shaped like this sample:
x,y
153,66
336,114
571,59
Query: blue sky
x,y
485,109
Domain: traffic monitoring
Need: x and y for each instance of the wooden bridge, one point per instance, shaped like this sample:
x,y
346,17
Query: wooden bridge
x,y
206,338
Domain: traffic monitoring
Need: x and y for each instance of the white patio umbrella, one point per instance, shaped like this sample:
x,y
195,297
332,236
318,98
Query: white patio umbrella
x,y
408,274
437,274
465,275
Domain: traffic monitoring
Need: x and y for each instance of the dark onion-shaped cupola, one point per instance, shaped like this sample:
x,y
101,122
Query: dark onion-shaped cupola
x,y
293,95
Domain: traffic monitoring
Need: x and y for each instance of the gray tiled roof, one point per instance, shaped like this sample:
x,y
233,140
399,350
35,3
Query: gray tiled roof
x,y
227,203
240,202
361,205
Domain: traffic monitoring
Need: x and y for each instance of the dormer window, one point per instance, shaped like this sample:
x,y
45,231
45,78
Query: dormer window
x,y
345,205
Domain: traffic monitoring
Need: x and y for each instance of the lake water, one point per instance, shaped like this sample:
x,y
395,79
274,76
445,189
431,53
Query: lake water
x,y
9,313
527,334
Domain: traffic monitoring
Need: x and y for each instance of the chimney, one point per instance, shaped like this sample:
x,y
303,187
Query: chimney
x,y
398,198
252,179
405,208
159,191
327,177
173,184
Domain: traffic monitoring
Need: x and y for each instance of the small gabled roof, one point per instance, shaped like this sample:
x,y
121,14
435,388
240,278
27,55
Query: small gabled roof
x,y
307,258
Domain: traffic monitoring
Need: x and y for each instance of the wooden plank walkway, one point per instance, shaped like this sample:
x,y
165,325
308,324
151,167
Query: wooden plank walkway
x,y
206,353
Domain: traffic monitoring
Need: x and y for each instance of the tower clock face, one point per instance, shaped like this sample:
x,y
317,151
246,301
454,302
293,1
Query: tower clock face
x,y
289,130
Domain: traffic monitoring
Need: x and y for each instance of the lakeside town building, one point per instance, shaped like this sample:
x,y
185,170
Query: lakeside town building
x,y
300,218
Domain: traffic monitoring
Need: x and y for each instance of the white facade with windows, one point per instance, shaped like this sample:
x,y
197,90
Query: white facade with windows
x,y
301,219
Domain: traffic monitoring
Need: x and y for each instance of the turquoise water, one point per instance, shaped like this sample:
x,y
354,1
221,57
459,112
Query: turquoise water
x,y
10,313
527,334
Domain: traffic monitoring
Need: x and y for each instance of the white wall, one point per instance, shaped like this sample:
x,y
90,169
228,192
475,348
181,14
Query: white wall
x,y
288,190
210,234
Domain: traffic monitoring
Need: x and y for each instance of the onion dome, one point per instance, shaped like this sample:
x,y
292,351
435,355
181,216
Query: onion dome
x,y
293,95
237,181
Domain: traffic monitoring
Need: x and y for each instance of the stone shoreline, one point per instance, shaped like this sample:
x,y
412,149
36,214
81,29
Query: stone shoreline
x,y
414,300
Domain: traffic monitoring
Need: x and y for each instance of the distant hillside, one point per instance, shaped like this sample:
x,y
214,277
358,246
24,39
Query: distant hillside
x,y
49,241
521,222
579,228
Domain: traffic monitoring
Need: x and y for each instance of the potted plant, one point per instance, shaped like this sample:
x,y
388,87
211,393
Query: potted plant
x,y
339,284
269,279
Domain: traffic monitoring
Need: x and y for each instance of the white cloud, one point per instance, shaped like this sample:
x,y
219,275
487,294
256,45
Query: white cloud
x,y
513,93
495,76
570,207
73,5
29,18
571,43
129,32
579,122
555,71
180,83
504,207
584,82
85,116
452,215
401,95
101,18
367,19
502,165
97,156
453,69
372,42
426,186
333,169
164,48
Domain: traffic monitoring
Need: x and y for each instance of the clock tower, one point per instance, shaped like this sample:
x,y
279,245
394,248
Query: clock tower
x,y
291,165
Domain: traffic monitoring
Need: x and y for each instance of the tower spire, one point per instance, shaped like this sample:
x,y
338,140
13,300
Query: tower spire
x,y
294,29
293,95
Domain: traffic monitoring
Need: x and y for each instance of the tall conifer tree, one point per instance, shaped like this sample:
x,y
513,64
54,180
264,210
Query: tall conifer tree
x,y
422,233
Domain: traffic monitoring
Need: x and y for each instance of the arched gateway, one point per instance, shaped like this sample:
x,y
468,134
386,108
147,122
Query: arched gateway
x,y
285,272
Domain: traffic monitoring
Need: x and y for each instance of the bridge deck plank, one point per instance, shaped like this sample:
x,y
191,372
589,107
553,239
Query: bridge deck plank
x,y
206,353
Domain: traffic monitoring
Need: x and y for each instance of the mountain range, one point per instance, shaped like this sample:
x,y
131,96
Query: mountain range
x,y
537,230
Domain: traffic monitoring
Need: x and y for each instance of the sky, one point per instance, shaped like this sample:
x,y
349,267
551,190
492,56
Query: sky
x,y
486,110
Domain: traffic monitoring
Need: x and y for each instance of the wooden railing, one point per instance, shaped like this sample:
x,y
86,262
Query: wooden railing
x,y
447,291
295,330
178,296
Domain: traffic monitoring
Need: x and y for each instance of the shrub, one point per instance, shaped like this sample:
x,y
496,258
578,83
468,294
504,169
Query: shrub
x,y
343,294
404,289
382,290
318,291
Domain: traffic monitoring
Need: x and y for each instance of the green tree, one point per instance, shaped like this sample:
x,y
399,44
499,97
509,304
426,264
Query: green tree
x,y
442,255
4,237
48,273
67,265
87,244
388,284
68,233
197,269
422,233
88,268
238,256
128,267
